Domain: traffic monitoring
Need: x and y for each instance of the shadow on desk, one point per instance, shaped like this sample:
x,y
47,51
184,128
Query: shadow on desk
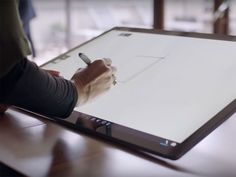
x,y
38,146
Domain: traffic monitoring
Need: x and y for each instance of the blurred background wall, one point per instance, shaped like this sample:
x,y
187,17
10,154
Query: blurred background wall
x,y
63,24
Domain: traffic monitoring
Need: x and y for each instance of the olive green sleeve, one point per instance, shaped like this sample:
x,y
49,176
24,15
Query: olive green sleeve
x,y
13,43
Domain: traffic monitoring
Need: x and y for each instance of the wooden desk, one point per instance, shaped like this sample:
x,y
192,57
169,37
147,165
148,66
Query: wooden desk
x,y
38,147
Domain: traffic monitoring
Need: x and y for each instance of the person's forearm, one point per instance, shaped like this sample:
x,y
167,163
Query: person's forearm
x,y
38,91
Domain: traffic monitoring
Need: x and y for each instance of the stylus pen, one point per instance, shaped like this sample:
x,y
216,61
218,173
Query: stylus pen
x,y
85,58
88,62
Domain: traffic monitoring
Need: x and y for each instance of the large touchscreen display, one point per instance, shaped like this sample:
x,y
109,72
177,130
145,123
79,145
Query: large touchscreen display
x,y
167,86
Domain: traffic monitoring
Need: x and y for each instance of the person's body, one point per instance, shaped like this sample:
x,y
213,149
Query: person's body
x,y
27,13
24,84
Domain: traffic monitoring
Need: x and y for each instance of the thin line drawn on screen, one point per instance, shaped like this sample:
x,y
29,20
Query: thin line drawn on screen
x,y
149,66
167,51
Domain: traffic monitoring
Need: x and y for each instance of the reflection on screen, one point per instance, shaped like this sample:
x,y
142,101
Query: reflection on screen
x,y
168,86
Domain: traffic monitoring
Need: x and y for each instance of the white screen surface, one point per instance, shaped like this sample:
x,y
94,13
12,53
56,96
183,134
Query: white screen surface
x,y
168,86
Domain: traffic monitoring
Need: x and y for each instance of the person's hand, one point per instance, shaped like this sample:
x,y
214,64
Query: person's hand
x,y
53,72
94,80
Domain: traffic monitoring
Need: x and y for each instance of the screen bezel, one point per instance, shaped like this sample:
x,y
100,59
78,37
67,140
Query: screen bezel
x,y
150,143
